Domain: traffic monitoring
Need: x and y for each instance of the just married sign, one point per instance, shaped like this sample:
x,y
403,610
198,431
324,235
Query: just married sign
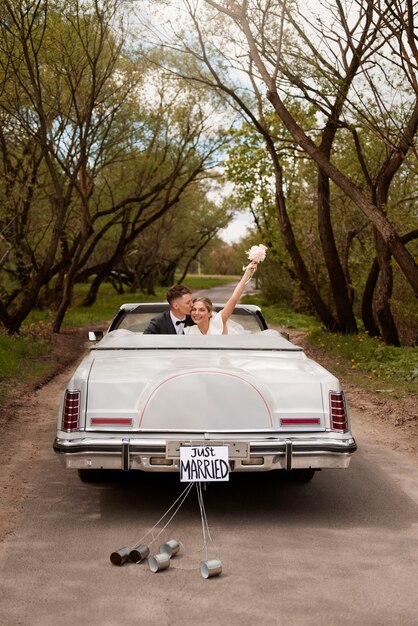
x,y
204,463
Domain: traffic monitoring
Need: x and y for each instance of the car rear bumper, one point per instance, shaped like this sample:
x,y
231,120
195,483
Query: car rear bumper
x,y
126,454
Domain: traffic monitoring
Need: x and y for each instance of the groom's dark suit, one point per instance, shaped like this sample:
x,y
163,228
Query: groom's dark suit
x,y
162,325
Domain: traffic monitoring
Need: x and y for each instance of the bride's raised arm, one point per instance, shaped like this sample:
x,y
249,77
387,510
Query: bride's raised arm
x,y
229,307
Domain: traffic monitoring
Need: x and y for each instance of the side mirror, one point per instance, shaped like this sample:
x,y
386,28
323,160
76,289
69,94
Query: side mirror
x,y
95,335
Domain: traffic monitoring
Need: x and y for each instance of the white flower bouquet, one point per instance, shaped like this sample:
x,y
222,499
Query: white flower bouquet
x,y
256,254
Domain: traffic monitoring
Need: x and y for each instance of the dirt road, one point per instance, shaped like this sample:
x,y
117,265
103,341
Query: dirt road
x,y
340,550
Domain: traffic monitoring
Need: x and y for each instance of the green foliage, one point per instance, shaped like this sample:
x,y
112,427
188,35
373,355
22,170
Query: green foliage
x,y
175,243
248,166
222,258
251,170
104,309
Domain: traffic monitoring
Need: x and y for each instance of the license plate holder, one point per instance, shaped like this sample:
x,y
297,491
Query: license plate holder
x,y
236,449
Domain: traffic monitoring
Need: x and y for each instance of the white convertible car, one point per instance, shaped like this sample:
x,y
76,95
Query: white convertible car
x,y
136,399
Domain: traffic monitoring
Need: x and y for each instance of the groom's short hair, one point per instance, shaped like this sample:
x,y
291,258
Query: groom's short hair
x,y
177,291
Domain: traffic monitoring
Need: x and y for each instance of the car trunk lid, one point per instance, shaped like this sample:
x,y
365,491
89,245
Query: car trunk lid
x,y
211,391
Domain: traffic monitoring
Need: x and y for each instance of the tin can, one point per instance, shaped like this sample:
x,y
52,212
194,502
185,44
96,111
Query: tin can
x,y
171,547
139,553
119,557
158,562
210,568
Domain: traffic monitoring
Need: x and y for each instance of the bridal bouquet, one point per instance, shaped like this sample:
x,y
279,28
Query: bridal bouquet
x,y
257,254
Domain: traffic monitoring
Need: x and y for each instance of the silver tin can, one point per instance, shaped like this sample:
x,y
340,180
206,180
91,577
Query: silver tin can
x,y
170,547
119,557
139,553
212,567
158,562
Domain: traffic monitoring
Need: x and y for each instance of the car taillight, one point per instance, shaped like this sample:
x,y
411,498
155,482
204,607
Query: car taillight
x,y
71,410
338,411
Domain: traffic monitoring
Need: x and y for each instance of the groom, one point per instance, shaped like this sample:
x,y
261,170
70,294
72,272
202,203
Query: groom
x,y
172,322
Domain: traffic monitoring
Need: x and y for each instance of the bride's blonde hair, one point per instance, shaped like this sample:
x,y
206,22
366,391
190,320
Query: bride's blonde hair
x,y
206,301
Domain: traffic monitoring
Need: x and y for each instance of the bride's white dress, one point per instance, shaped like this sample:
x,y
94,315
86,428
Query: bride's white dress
x,y
216,327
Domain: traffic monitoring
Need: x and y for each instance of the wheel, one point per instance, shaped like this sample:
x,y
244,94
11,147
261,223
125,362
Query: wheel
x,y
303,475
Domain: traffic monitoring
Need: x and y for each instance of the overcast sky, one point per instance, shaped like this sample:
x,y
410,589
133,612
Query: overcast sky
x,y
237,228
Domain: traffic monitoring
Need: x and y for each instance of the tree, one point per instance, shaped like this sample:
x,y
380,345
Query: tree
x,y
172,243
337,63
106,151
247,18
59,99
179,151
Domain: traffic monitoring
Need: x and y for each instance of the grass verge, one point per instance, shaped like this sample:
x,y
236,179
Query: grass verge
x,y
372,364
21,358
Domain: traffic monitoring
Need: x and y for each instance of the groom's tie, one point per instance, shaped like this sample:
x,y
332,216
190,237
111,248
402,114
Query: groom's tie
x,y
182,327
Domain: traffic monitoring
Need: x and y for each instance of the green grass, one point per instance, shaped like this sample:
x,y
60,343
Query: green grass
x,y
21,357
196,282
396,369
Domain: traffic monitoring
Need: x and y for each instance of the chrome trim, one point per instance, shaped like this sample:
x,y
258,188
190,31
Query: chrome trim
x,y
288,455
125,455
230,434
129,454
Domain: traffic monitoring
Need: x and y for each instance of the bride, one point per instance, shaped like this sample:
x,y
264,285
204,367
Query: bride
x,y
209,323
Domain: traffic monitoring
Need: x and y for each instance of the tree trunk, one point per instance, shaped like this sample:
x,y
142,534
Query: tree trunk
x,y
304,278
64,304
367,301
346,320
91,296
104,270
368,294
383,294
168,274
14,321
150,281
